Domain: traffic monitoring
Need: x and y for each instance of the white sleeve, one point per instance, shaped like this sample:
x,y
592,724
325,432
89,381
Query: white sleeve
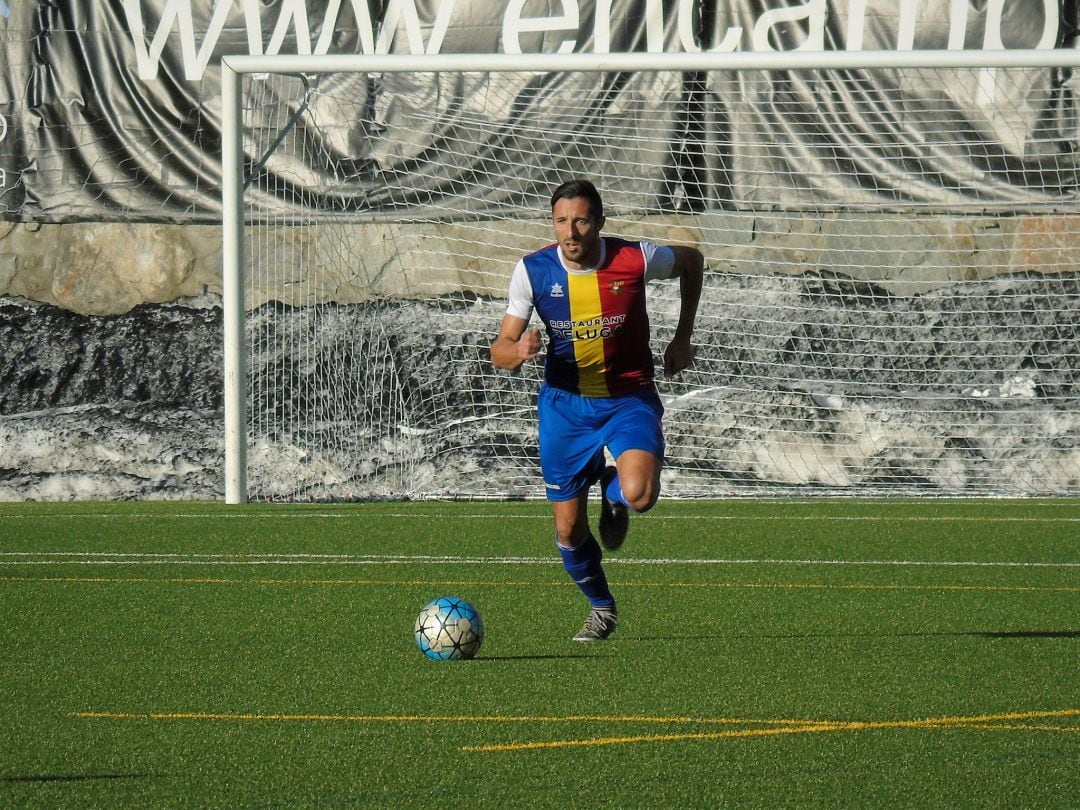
x,y
659,261
520,304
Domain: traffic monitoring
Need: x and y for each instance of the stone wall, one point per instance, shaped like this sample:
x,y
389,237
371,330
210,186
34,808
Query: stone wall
x,y
107,269
110,356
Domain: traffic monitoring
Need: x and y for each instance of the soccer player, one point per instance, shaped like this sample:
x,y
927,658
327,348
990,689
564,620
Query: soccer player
x,y
598,390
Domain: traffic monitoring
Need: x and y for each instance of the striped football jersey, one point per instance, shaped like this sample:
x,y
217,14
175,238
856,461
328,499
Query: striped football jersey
x,y
596,320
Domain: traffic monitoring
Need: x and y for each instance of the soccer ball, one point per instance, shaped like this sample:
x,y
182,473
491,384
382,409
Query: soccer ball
x,y
449,628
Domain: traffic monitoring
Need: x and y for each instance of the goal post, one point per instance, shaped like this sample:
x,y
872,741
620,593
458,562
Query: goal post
x,y
234,376
890,306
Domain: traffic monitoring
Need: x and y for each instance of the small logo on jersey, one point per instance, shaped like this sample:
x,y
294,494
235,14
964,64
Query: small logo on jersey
x,y
556,290
616,287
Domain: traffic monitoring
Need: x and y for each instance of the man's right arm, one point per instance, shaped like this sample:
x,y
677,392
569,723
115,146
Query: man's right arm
x,y
515,343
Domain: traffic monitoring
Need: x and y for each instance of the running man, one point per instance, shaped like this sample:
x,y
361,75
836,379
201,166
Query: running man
x,y
599,390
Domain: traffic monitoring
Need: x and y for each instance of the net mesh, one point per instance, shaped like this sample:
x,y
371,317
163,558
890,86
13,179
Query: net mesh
x,y
890,305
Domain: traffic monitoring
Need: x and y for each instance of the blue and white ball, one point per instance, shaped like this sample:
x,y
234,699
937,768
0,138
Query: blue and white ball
x,y
448,629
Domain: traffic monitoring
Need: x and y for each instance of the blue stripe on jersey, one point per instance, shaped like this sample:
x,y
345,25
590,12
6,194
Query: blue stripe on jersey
x,y
551,299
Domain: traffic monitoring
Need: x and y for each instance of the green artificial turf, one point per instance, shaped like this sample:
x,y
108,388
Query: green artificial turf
x,y
769,654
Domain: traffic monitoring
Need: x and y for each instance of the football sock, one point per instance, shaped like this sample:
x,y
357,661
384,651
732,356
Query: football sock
x,y
613,491
583,566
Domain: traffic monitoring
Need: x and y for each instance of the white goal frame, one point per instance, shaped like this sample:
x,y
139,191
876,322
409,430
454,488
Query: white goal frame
x,y
233,218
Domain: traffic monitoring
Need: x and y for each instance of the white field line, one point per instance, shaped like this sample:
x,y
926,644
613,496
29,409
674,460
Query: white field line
x,y
11,558
545,516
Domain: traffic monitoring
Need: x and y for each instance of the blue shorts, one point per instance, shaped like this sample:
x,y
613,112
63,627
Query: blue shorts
x,y
574,430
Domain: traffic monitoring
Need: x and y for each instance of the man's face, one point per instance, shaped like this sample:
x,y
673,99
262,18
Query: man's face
x,y
577,231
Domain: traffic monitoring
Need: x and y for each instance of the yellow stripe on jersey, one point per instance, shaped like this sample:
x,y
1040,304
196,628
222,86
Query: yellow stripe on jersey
x,y
587,317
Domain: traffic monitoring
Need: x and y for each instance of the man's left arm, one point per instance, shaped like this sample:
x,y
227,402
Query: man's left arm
x,y
689,269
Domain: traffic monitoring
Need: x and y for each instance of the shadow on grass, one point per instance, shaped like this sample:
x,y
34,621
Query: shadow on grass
x,y
84,777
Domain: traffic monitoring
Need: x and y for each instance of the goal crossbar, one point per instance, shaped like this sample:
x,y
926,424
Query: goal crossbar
x,y
613,62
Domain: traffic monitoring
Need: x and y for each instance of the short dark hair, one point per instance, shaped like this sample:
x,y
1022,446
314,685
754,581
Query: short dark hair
x,y
572,189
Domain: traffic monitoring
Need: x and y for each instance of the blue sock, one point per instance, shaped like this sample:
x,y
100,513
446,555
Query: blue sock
x,y
613,491
583,566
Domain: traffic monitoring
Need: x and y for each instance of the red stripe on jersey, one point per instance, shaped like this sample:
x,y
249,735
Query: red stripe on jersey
x,y
627,353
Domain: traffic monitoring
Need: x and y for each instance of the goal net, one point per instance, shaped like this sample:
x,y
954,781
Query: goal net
x,y
891,305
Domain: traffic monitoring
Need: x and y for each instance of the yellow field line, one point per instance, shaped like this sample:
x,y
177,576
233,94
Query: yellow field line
x,y
450,718
652,738
982,721
519,583
1008,721
234,581
826,586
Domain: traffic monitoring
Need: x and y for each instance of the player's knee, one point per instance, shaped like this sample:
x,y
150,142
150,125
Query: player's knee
x,y
642,495
571,533
646,503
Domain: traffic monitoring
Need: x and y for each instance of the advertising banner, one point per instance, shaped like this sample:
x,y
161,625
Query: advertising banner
x,y
110,110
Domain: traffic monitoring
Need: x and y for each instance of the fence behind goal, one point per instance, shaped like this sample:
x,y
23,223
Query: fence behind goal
x,y
891,306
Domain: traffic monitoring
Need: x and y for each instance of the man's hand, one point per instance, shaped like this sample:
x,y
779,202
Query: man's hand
x,y
515,344
528,345
679,355
689,269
